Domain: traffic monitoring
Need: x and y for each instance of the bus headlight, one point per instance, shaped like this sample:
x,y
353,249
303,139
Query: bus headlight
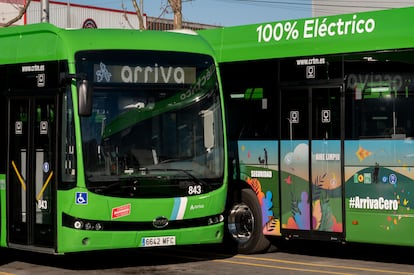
x,y
78,224
215,219
98,226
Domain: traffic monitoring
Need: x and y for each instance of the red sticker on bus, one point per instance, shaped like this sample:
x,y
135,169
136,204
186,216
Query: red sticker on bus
x,y
121,211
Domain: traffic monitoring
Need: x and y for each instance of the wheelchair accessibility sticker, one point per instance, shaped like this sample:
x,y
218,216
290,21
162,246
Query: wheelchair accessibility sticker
x,y
81,198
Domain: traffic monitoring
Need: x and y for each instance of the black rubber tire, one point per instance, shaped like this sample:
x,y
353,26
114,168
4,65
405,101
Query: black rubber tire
x,y
244,224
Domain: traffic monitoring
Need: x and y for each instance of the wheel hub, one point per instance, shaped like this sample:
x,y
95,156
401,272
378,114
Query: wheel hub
x,y
241,222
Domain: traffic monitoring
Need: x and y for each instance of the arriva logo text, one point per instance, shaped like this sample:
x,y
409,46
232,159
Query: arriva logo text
x,y
197,206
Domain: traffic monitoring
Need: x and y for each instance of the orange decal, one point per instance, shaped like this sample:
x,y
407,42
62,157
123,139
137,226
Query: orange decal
x,y
362,153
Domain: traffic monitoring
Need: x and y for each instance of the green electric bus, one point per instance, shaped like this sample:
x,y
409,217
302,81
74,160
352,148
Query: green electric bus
x,y
320,117
111,139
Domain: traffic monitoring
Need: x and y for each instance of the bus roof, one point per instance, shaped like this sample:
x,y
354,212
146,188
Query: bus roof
x,y
345,33
43,42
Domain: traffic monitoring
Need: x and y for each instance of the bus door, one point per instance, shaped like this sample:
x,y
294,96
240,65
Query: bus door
x,y
31,171
311,161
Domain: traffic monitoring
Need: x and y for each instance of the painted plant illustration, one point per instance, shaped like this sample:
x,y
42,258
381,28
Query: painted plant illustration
x,y
323,218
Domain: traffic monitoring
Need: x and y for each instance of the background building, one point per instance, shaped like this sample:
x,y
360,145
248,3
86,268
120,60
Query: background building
x,y
331,7
66,15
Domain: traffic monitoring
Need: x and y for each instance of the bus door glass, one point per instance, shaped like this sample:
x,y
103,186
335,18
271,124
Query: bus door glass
x,y
31,170
311,175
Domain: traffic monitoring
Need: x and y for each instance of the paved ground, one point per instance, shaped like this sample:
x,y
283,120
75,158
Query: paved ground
x,y
292,258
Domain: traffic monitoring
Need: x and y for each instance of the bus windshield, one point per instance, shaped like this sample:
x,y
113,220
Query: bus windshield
x,y
155,126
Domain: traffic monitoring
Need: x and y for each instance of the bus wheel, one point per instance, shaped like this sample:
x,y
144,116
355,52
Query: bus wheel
x,y
245,224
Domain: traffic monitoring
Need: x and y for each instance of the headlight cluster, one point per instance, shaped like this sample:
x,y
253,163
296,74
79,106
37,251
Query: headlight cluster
x,y
79,224
215,219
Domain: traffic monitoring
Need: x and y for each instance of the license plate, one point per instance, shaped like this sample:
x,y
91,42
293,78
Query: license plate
x,y
158,241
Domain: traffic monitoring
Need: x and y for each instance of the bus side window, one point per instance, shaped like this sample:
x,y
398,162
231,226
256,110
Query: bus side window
x,y
389,118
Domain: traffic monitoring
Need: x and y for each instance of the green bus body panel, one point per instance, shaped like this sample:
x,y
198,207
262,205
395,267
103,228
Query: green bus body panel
x,y
144,210
44,42
369,31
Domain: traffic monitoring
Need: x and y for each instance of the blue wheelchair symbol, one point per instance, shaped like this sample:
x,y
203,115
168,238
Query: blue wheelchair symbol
x,y
81,198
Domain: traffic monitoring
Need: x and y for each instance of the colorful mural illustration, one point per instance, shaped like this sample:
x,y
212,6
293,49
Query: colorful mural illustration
x,y
259,168
379,192
324,212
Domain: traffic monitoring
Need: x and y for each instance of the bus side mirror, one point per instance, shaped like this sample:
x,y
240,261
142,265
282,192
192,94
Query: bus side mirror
x,y
208,117
85,92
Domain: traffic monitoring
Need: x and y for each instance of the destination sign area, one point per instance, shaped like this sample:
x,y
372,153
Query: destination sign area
x,y
143,74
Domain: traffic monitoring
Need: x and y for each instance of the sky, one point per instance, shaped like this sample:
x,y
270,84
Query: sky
x,y
217,12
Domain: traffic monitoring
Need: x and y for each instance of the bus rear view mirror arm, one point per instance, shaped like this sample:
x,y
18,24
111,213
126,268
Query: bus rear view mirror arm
x,y
85,92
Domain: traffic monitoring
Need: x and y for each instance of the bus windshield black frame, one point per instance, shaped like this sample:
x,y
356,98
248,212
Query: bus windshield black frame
x,y
156,125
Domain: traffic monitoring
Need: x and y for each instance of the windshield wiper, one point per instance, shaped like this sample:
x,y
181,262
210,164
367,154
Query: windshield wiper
x,y
116,181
